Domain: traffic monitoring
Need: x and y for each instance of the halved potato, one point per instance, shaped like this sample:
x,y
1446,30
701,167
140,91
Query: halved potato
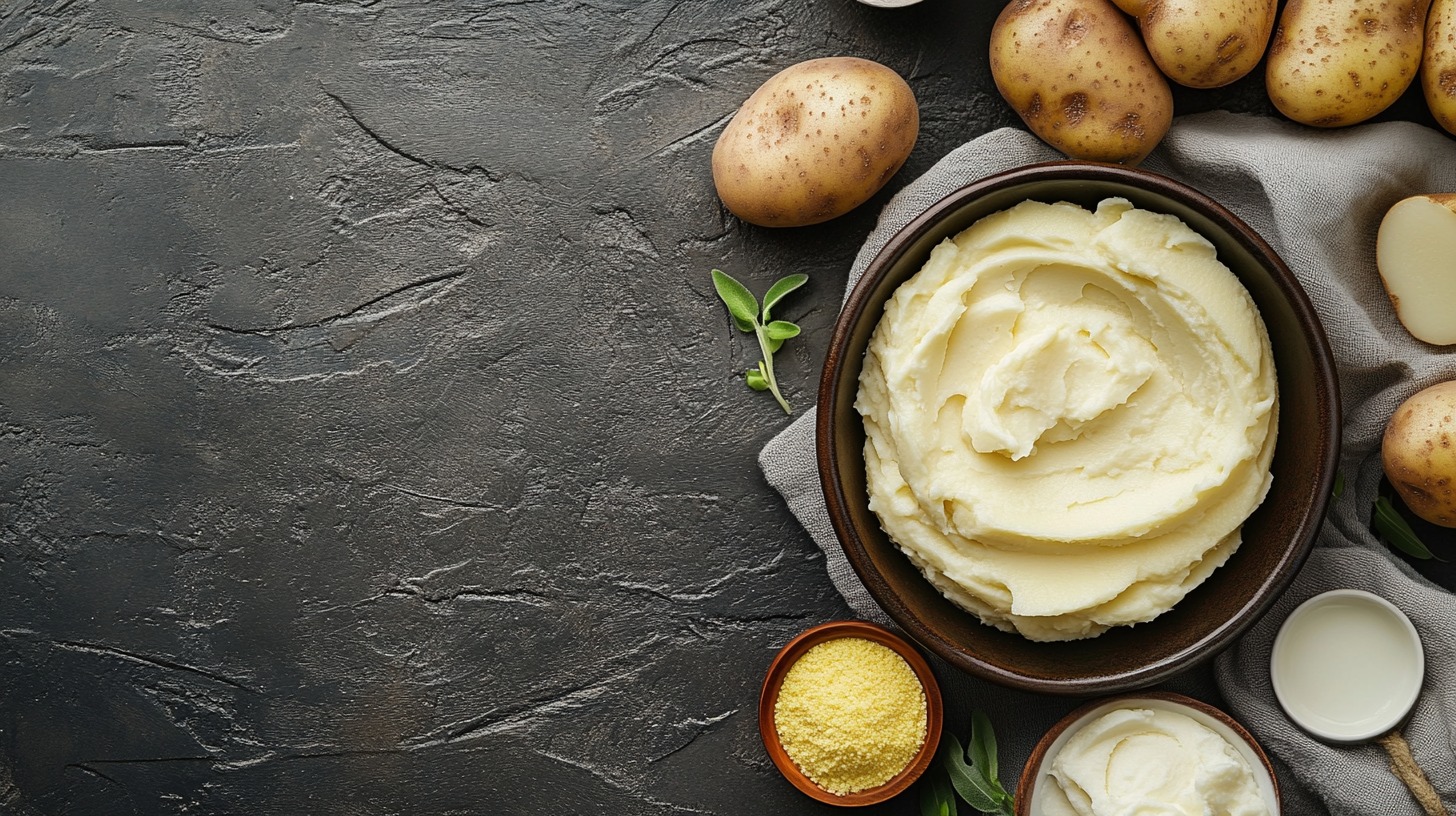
x,y
1415,252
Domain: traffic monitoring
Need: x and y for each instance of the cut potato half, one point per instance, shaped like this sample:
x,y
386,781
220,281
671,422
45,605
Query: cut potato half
x,y
1415,252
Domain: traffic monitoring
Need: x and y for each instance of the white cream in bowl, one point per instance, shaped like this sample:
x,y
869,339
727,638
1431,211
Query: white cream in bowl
x,y
1151,755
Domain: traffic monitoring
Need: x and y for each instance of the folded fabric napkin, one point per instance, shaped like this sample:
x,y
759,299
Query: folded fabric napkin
x,y
1317,197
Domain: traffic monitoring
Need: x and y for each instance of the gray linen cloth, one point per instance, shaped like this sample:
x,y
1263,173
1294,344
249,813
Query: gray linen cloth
x,y
1317,197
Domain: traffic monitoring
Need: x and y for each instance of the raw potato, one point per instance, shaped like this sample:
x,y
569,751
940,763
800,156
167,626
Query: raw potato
x,y
1078,75
1438,66
1207,43
1414,252
1339,62
815,141
1419,453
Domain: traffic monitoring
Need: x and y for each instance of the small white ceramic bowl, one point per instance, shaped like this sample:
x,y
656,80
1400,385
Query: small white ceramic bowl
x,y
1347,665
1036,784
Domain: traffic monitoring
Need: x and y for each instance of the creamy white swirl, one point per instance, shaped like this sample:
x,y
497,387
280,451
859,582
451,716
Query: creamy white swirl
x,y
1150,761
1069,414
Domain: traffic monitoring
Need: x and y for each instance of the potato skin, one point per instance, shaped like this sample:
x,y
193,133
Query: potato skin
x,y
1207,43
1078,75
1338,62
815,141
1438,65
1418,453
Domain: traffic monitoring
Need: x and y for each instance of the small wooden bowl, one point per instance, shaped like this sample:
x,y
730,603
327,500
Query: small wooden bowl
x,y
790,654
1035,777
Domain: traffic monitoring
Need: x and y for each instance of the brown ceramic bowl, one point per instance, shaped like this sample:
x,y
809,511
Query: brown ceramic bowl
x,y
795,649
1276,538
1035,780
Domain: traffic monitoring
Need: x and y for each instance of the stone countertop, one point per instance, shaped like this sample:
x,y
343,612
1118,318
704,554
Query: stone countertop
x,y
371,439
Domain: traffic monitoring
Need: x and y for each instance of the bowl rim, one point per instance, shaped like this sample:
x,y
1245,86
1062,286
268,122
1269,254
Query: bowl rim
x,y
790,653
826,424
1041,752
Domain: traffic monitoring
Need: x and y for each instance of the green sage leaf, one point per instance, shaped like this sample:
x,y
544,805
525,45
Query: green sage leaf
x,y
1397,532
967,780
781,330
937,798
983,748
741,303
946,793
756,379
781,287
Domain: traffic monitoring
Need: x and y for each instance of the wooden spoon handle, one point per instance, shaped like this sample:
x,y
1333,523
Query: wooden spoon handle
x,y
1403,764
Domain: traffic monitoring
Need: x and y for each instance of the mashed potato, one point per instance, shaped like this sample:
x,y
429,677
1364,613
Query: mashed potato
x,y
1069,414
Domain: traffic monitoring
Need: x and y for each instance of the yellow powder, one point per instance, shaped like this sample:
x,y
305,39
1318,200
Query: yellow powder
x,y
851,714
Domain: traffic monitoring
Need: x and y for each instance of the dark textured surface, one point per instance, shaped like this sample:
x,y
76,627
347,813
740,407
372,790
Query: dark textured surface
x,y
370,438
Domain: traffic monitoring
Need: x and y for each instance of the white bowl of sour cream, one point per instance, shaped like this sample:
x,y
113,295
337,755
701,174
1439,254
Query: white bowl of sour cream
x,y
1156,752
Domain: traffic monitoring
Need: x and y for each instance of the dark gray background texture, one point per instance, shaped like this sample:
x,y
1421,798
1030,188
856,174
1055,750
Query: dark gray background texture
x,y
371,439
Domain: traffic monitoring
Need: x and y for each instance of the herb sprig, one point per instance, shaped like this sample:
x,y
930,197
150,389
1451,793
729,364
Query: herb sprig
x,y
972,773
1395,531
750,318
